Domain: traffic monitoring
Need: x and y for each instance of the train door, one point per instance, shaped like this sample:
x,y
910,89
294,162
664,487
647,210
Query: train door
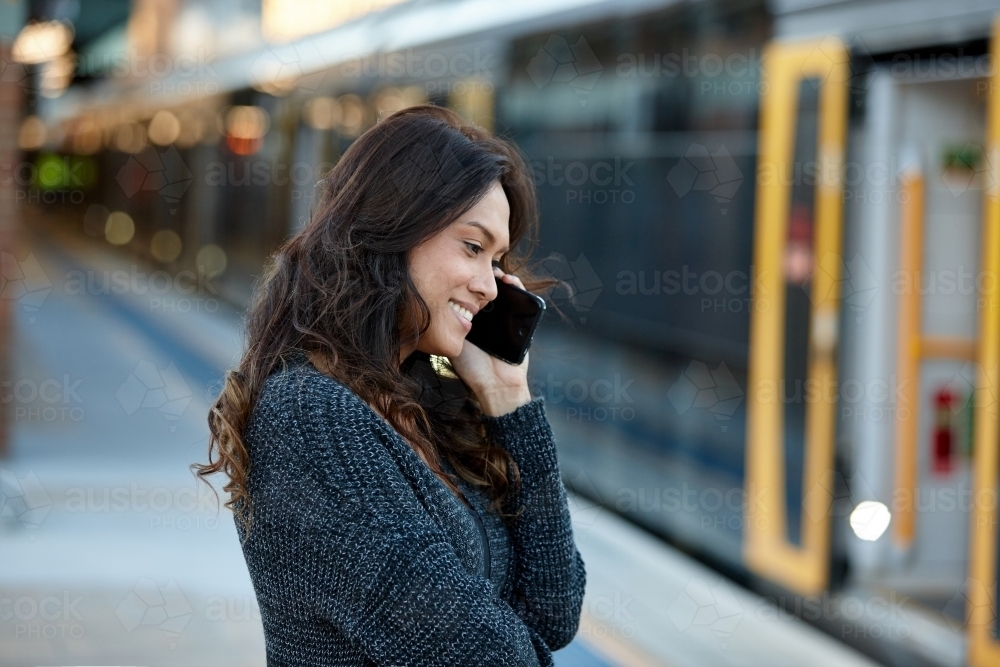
x,y
937,134
794,321
982,593
938,150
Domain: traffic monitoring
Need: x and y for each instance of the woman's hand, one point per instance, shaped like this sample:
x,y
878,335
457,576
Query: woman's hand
x,y
499,386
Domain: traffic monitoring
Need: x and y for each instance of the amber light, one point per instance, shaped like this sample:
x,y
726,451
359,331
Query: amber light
x,y
245,127
242,145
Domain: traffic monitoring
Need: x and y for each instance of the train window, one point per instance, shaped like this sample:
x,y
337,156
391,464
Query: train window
x,y
799,264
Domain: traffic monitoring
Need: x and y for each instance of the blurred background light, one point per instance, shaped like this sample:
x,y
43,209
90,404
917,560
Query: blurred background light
x,y
164,128
870,519
321,113
87,136
130,138
391,99
283,20
245,127
353,115
32,134
57,73
119,228
42,42
211,259
191,128
165,245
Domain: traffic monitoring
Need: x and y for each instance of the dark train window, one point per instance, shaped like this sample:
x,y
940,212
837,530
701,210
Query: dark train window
x,y
799,262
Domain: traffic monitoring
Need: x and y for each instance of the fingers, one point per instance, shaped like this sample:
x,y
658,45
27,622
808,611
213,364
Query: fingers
x,y
508,278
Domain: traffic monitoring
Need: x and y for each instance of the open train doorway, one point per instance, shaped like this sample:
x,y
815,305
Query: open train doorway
x,y
940,157
918,230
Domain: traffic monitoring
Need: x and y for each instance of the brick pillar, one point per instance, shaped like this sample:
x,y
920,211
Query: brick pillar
x,y
11,108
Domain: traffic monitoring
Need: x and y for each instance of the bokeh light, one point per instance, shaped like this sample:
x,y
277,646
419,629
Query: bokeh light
x,y
164,128
119,228
165,245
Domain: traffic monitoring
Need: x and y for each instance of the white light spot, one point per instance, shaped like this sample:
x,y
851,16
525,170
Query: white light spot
x,y
870,519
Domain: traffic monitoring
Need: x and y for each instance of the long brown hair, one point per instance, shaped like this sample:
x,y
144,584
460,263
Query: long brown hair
x,y
340,290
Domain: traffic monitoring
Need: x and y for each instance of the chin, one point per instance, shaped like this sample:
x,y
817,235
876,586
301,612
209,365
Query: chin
x,y
447,347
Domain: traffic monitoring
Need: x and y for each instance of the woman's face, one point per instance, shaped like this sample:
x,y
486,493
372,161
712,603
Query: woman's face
x,y
453,271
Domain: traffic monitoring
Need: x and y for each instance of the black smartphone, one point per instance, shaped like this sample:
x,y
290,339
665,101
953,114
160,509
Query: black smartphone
x,y
505,326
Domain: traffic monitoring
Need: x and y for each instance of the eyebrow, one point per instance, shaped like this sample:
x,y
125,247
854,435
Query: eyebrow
x,y
489,235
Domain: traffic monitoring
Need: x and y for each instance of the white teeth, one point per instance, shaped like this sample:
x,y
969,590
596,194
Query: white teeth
x,y
464,312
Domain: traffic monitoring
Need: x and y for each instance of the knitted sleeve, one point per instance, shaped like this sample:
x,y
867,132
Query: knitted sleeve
x,y
548,571
364,553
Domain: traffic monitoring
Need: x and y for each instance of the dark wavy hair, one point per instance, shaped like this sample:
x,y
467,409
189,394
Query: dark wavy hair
x,y
340,290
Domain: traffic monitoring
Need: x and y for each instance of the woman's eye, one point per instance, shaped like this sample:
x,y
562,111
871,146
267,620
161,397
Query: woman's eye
x,y
475,248
496,263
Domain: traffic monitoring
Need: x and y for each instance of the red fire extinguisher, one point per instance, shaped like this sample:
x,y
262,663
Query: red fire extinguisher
x,y
944,431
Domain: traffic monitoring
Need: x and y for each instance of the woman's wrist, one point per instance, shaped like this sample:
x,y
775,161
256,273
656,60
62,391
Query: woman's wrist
x,y
498,401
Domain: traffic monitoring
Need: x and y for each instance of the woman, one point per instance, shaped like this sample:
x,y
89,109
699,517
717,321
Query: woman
x,y
394,511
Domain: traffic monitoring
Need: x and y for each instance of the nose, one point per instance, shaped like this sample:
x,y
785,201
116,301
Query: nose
x,y
484,285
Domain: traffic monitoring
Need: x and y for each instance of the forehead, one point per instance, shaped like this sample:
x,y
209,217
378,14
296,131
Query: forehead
x,y
491,217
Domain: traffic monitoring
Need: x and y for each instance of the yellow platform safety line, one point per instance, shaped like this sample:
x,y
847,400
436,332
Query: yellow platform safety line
x,y
908,352
767,550
984,649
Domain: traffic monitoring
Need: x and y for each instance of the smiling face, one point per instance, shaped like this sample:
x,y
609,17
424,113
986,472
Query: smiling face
x,y
453,271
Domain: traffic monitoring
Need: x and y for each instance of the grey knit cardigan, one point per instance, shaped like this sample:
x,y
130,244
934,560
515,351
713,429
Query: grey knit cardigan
x,y
360,555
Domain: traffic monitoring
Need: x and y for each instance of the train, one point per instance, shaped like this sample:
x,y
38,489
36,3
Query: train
x,y
777,226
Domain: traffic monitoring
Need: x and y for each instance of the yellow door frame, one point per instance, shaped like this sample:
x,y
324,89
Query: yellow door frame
x,y
767,551
984,649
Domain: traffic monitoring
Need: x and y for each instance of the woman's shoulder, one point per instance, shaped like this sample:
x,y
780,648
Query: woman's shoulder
x,y
294,376
297,389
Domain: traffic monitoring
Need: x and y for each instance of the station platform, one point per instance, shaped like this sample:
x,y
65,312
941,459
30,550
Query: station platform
x,y
112,553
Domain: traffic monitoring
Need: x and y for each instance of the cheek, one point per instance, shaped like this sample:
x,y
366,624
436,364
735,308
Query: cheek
x,y
436,289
